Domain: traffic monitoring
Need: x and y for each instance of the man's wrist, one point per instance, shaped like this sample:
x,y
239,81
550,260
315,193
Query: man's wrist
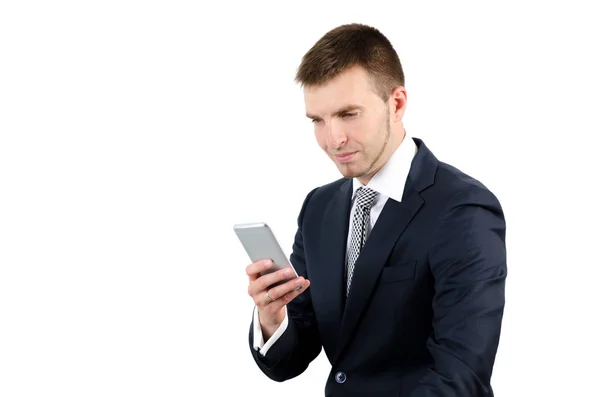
x,y
268,330
267,327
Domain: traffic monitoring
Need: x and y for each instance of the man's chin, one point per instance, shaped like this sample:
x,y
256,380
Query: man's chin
x,y
348,171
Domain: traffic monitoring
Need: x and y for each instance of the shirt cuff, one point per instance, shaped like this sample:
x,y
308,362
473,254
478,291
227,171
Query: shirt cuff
x,y
259,342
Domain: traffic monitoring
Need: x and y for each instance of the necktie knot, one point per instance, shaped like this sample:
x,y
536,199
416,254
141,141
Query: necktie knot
x,y
365,198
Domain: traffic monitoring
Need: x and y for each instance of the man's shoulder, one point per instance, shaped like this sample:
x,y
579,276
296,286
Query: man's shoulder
x,y
455,184
321,195
332,188
455,178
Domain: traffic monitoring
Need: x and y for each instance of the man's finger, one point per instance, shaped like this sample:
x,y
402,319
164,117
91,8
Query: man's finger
x,y
262,283
283,300
291,285
254,269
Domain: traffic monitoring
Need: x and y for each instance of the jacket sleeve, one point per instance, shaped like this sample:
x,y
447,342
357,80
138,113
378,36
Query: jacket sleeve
x,y
468,263
300,343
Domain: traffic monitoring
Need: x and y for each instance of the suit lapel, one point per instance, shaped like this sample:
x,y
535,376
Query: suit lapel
x,y
334,231
389,226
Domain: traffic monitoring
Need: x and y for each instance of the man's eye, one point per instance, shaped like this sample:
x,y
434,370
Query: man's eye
x,y
346,115
315,120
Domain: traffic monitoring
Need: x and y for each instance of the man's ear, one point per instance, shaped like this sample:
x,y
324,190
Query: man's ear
x,y
398,103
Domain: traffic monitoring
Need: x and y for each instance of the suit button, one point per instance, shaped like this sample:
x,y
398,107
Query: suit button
x,y
340,377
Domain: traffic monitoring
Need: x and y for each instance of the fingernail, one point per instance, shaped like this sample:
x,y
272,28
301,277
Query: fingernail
x,y
287,272
267,263
299,288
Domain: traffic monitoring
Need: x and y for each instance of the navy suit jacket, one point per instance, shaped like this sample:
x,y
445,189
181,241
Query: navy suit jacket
x,y
424,313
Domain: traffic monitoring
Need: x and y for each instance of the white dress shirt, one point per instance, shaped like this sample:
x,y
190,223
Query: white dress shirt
x,y
389,182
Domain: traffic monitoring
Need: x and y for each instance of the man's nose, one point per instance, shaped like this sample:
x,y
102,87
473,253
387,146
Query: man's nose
x,y
336,135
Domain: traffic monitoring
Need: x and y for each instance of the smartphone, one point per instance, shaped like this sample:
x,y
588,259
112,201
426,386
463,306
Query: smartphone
x,y
260,243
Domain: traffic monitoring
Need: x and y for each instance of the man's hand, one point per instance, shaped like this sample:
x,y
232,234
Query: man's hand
x,y
270,302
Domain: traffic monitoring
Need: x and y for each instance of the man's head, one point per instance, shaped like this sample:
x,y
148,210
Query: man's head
x,y
354,93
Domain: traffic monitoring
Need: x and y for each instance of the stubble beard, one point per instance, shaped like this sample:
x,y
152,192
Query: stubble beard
x,y
374,165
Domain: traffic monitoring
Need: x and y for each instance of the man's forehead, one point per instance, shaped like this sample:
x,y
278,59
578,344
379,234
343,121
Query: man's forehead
x,y
333,102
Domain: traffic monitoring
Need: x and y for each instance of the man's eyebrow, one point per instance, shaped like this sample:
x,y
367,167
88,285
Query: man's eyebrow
x,y
338,112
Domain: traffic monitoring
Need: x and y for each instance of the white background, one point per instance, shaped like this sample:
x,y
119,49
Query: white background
x,y
133,135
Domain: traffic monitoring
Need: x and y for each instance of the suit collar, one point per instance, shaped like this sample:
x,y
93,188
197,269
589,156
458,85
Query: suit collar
x,y
422,170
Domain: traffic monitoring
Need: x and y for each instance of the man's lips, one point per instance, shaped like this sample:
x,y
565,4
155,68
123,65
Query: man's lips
x,y
344,157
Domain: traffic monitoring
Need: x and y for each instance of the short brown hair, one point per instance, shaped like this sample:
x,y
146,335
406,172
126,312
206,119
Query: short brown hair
x,y
352,45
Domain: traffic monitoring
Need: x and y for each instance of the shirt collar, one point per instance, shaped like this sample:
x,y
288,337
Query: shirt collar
x,y
391,178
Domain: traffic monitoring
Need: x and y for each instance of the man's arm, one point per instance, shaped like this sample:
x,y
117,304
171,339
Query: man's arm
x,y
293,350
468,262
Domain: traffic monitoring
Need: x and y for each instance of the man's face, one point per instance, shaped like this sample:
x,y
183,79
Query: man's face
x,y
352,123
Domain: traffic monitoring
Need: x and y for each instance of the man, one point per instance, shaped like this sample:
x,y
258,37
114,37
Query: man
x,y
401,262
